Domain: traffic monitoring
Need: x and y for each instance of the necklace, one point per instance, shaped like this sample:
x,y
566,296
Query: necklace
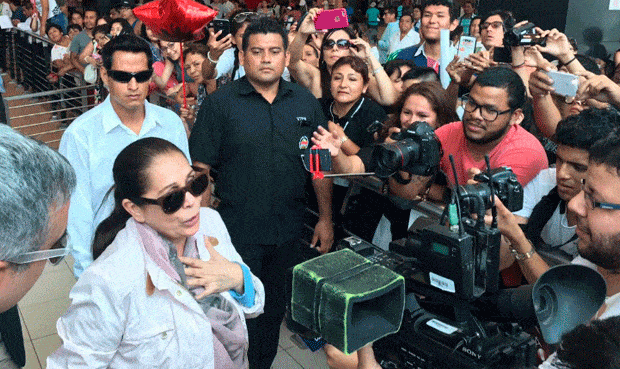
x,y
331,112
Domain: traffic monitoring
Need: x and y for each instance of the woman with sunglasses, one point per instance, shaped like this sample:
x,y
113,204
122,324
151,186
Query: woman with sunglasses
x,y
336,44
167,288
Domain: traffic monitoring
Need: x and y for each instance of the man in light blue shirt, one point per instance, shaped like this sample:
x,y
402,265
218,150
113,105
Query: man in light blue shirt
x,y
92,141
389,17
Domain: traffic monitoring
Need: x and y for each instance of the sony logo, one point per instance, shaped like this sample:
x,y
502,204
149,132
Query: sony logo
x,y
471,353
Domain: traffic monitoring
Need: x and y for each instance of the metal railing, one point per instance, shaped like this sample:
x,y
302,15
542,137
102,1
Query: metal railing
x,y
45,108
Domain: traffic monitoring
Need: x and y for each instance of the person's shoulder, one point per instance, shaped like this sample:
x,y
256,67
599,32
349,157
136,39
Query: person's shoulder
x,y
525,139
449,128
115,269
87,123
299,91
408,52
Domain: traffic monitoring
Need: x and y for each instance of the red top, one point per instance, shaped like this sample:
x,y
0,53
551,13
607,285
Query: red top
x,y
519,150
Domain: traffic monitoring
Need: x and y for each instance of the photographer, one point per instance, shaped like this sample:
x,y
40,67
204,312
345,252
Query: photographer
x,y
550,226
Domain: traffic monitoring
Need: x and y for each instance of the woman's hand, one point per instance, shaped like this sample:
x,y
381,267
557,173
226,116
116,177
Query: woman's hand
x,y
216,275
459,71
217,47
327,140
336,129
480,61
598,87
361,49
307,25
557,44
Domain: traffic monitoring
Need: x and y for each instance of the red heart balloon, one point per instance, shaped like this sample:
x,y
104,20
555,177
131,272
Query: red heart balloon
x,y
176,20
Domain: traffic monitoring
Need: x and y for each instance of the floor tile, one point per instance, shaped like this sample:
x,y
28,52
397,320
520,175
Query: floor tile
x,y
41,318
46,346
69,260
285,361
285,337
24,328
54,283
309,359
32,361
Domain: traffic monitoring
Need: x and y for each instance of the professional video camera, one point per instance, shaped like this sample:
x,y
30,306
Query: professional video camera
x,y
455,270
452,270
524,35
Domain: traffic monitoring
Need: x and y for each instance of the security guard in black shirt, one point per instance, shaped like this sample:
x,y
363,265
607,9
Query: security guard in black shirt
x,y
253,132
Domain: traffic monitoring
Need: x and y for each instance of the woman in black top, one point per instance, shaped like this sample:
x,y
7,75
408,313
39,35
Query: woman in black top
x,y
348,111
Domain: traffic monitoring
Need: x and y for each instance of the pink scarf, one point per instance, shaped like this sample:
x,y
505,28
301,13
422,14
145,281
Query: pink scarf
x,y
230,345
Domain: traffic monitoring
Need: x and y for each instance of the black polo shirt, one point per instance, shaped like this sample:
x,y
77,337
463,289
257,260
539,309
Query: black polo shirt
x,y
256,148
355,123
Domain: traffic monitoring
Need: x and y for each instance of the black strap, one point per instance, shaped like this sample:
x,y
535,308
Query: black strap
x,y
541,214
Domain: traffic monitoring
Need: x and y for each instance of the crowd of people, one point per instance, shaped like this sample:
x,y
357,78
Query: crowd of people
x,y
170,276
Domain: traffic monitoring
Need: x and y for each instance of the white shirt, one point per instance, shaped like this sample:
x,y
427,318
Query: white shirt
x,y
557,231
411,38
53,10
226,63
58,52
113,322
91,143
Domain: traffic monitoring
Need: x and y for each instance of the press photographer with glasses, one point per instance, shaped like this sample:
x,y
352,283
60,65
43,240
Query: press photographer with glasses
x,y
167,288
37,184
93,140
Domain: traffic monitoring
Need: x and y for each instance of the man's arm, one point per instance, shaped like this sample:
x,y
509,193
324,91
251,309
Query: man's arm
x,y
45,9
324,229
74,58
80,226
532,265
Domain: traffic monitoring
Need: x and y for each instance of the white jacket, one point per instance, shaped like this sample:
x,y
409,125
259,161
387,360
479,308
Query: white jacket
x,y
113,322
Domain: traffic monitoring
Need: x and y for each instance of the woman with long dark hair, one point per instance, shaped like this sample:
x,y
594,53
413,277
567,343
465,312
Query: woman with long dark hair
x,y
336,43
167,288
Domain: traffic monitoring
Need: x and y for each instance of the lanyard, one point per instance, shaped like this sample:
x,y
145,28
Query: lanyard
x,y
331,111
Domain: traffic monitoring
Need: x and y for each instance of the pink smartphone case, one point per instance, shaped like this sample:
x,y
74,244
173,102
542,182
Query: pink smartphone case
x,y
330,19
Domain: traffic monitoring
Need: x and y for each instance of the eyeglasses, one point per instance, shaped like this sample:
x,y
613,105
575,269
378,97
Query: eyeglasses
x,y
242,17
125,77
591,203
495,25
175,200
55,254
342,44
488,114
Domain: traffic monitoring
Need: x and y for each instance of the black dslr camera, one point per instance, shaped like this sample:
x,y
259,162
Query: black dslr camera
x,y
505,186
416,150
523,36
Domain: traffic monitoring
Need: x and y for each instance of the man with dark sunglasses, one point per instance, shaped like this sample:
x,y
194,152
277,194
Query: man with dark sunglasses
x,y
37,183
92,142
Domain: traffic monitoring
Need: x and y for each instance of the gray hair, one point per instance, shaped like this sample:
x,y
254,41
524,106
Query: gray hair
x,y
34,180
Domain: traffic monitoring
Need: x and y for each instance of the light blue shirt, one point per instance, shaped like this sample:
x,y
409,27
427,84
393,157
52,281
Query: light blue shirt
x,y
384,44
91,144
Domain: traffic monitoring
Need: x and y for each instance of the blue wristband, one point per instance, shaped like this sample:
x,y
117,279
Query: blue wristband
x,y
247,299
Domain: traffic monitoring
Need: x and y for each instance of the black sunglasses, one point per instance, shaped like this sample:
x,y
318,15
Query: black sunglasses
x,y
242,17
342,44
125,77
175,200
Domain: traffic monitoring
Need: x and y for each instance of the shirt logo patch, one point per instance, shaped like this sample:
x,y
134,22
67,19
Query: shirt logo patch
x,y
303,142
